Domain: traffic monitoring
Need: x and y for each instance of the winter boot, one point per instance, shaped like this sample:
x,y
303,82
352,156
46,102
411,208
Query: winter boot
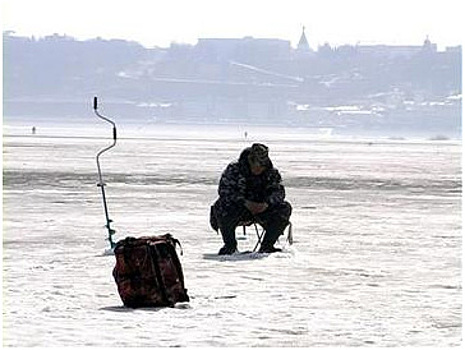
x,y
271,236
229,238
227,250
269,249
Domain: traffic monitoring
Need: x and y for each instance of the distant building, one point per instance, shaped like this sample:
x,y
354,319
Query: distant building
x,y
393,51
454,49
303,48
429,46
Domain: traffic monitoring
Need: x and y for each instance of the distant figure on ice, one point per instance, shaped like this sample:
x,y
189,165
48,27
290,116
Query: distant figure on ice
x,y
250,189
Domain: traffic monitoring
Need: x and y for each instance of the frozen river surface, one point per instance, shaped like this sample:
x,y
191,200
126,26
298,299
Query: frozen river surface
x,y
376,259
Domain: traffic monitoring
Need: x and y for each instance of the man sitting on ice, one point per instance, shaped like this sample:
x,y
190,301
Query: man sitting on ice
x,y
251,189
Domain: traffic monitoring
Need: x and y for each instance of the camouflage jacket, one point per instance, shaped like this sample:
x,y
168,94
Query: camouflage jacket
x,y
237,184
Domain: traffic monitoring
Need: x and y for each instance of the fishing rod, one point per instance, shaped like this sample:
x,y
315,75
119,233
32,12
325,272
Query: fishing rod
x,y
101,184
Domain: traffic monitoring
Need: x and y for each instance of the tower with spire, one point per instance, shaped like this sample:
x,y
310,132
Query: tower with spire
x,y
428,46
303,50
303,46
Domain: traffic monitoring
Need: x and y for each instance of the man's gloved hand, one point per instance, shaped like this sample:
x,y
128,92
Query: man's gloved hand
x,y
256,208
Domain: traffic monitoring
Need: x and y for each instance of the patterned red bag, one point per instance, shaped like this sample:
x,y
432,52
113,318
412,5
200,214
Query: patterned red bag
x,y
148,272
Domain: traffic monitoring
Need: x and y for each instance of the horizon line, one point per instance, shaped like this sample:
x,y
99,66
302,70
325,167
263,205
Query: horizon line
x,y
13,33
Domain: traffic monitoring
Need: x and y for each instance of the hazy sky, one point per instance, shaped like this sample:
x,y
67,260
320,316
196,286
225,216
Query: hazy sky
x,y
160,22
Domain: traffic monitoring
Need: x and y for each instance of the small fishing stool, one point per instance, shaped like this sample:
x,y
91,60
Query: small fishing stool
x,y
245,224
261,233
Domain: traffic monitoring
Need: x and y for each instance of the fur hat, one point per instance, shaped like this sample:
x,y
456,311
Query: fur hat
x,y
259,154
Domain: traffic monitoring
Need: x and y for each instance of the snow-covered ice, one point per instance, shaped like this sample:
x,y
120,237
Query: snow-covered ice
x,y
376,259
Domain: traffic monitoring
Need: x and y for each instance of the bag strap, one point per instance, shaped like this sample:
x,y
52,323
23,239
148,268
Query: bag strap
x,y
176,241
172,241
152,250
178,267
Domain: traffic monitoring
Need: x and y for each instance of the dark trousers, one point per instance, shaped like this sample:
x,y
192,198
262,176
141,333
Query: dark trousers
x,y
274,220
